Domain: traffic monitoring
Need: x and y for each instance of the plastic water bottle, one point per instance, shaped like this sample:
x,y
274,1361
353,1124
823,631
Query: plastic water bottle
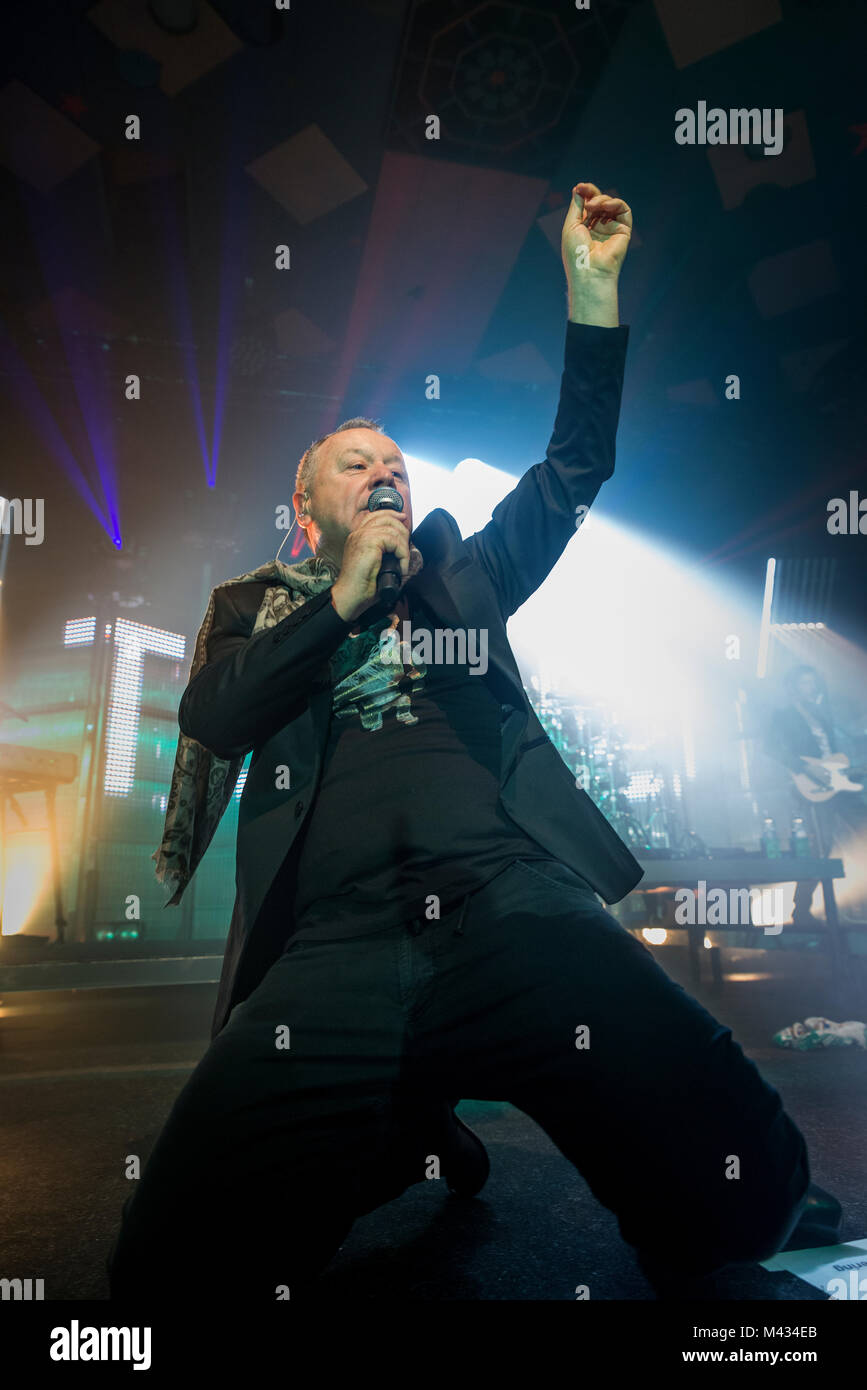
x,y
770,839
800,844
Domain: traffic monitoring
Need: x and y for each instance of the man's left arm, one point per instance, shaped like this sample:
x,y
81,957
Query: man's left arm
x,y
531,527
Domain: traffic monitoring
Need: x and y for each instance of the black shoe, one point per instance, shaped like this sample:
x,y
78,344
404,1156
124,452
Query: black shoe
x,y
465,1161
677,1281
819,1222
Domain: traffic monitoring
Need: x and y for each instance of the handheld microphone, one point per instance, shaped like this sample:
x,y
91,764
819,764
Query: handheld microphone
x,y
389,578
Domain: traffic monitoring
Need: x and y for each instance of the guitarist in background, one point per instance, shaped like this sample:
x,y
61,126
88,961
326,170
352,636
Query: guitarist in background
x,y
804,728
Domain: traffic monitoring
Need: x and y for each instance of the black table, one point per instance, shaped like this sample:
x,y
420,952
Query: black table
x,y
749,871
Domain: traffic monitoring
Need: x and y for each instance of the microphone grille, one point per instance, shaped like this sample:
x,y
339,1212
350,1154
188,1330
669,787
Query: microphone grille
x,y
385,498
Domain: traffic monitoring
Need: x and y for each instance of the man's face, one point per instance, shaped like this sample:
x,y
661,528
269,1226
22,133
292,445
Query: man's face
x,y
350,465
807,687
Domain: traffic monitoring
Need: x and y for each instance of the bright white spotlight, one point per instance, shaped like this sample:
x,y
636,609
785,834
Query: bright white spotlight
x,y
618,621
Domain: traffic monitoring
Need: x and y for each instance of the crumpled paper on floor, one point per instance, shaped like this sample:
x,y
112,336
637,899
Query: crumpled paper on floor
x,y
822,1032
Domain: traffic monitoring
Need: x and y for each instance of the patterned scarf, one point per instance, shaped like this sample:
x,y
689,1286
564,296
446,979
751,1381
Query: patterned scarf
x,y
202,783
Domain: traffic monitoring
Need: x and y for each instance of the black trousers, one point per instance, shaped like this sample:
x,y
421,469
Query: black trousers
x,y
828,821
310,1107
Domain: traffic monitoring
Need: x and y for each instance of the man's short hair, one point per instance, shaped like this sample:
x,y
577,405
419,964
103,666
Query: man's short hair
x,y
307,467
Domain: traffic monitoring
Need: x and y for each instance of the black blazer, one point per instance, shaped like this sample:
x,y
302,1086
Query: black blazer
x,y
271,693
788,737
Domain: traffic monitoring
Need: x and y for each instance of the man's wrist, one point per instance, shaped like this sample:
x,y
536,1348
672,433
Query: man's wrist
x,y
593,301
337,603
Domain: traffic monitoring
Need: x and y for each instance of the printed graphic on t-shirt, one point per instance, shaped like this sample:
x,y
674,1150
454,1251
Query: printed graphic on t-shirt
x,y
373,673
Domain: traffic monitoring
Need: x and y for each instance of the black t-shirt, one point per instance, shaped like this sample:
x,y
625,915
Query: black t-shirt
x,y
408,805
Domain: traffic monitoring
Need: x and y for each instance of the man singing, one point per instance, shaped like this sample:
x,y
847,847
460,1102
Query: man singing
x,y
418,911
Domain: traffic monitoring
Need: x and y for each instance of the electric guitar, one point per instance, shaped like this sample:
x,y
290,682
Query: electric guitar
x,y
837,766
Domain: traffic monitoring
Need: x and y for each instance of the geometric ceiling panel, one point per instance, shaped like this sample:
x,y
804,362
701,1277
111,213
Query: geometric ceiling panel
x,y
523,364
802,365
37,143
184,58
506,81
307,175
696,28
501,75
551,226
441,243
737,171
299,336
794,279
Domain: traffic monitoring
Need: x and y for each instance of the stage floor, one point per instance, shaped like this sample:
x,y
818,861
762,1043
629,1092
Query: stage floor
x,y
88,1076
